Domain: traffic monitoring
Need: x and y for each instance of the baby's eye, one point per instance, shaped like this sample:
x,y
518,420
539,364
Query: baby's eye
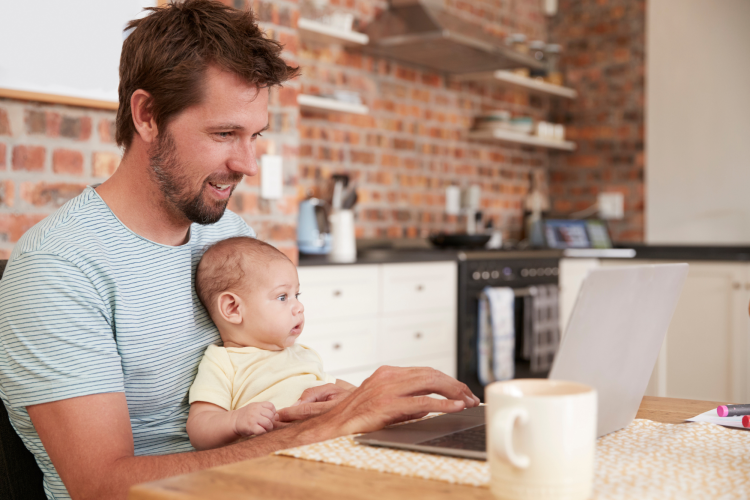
x,y
282,297
296,296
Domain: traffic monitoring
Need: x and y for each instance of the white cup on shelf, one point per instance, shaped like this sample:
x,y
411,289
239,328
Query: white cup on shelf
x,y
541,439
343,241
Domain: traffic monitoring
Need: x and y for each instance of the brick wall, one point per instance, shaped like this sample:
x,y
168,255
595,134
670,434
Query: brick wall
x,y
603,58
411,145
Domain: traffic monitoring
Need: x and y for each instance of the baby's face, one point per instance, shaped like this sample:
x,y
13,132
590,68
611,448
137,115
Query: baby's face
x,y
273,317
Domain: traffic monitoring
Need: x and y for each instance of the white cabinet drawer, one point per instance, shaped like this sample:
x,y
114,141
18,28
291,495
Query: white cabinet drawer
x,y
343,345
330,292
416,335
418,286
445,363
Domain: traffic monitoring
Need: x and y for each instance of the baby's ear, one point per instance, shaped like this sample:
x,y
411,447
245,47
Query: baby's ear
x,y
229,308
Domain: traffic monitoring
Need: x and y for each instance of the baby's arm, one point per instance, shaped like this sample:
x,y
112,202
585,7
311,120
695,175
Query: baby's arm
x,y
211,426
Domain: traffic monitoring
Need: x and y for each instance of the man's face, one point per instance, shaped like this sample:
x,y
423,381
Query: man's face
x,y
206,150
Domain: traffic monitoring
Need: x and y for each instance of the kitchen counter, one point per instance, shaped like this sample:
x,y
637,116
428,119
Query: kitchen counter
x,y
629,251
692,252
390,256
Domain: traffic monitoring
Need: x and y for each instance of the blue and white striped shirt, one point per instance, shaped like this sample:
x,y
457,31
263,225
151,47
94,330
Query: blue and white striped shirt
x,y
88,307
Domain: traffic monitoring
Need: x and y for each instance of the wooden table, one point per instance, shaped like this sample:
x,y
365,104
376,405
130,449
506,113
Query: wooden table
x,y
288,478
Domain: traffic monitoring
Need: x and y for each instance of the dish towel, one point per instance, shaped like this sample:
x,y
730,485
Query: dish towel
x,y
496,337
541,328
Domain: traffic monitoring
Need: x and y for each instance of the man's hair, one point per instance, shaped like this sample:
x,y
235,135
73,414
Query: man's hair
x,y
167,54
228,266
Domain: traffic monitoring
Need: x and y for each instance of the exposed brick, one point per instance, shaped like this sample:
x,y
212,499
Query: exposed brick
x,y
54,195
30,158
290,42
104,164
76,127
244,203
7,193
67,161
3,156
288,96
4,123
13,226
106,130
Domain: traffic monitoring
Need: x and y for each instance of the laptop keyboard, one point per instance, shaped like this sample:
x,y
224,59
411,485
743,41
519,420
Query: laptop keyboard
x,y
473,439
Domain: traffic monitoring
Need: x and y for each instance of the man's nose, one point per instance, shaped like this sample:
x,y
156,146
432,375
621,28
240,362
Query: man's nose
x,y
243,158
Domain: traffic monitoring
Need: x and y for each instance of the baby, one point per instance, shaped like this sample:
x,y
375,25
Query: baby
x,y
251,291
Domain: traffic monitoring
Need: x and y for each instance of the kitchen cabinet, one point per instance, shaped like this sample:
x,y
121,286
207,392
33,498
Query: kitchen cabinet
x,y
359,317
706,352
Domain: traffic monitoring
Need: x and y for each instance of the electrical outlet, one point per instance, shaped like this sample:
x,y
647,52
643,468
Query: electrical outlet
x,y
452,200
611,205
271,177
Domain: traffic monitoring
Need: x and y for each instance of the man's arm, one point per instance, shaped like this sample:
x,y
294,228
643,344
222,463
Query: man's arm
x,y
90,442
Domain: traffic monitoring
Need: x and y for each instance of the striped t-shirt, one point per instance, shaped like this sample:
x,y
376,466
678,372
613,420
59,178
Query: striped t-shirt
x,y
87,307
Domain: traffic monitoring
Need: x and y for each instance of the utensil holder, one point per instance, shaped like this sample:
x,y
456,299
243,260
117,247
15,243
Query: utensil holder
x,y
344,245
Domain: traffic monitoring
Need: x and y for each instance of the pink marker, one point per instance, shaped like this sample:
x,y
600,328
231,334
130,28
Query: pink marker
x,y
733,410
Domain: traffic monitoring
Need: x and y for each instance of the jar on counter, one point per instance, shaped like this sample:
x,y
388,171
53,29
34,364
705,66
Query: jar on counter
x,y
517,42
536,49
552,56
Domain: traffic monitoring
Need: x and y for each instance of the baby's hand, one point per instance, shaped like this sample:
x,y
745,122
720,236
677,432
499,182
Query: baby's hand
x,y
254,419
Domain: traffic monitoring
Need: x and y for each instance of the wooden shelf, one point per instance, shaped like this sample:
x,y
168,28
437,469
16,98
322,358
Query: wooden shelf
x,y
510,136
320,32
328,104
509,78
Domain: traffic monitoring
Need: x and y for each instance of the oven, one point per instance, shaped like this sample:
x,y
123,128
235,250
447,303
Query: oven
x,y
522,271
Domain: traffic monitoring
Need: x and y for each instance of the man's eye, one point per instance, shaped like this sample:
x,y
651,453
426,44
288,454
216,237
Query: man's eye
x,y
223,135
255,136
282,297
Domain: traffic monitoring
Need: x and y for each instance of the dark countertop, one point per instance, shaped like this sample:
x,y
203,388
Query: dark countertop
x,y
642,252
692,252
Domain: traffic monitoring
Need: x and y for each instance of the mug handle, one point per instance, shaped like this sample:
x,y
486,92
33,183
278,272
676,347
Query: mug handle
x,y
502,435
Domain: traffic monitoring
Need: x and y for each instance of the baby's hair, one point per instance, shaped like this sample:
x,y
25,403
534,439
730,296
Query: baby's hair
x,y
225,265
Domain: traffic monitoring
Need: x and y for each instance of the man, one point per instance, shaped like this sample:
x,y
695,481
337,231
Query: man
x,y
100,330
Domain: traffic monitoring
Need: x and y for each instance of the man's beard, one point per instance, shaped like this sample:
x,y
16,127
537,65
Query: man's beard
x,y
175,185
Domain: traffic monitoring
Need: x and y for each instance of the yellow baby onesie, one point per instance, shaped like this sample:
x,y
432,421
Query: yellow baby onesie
x,y
231,377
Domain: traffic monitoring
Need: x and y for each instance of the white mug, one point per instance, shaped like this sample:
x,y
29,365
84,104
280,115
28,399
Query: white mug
x,y
343,241
541,439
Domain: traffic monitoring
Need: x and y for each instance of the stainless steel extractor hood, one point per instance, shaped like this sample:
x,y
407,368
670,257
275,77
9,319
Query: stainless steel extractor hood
x,y
422,32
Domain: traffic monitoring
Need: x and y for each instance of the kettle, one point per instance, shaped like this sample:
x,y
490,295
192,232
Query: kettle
x,y
313,233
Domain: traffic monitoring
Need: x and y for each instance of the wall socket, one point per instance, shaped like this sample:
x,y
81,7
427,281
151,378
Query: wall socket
x,y
611,205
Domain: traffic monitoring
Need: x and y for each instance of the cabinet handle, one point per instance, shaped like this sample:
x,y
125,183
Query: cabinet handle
x,y
337,293
418,335
336,346
420,288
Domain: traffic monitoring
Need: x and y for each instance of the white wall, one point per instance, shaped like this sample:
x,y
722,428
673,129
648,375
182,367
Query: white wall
x,y
698,121
64,47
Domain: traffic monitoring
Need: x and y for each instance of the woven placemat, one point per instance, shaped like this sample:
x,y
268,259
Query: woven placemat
x,y
647,460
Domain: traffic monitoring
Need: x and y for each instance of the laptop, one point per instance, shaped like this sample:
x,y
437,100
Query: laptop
x,y
612,341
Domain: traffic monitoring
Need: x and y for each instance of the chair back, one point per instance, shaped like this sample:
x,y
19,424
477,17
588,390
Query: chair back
x,y
20,476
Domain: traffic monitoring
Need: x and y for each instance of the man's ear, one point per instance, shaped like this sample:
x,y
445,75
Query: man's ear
x,y
230,307
143,117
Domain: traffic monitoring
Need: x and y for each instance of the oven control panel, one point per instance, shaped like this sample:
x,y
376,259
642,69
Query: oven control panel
x,y
509,273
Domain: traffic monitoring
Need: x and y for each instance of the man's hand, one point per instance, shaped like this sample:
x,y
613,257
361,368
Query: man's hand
x,y
393,395
315,401
254,419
